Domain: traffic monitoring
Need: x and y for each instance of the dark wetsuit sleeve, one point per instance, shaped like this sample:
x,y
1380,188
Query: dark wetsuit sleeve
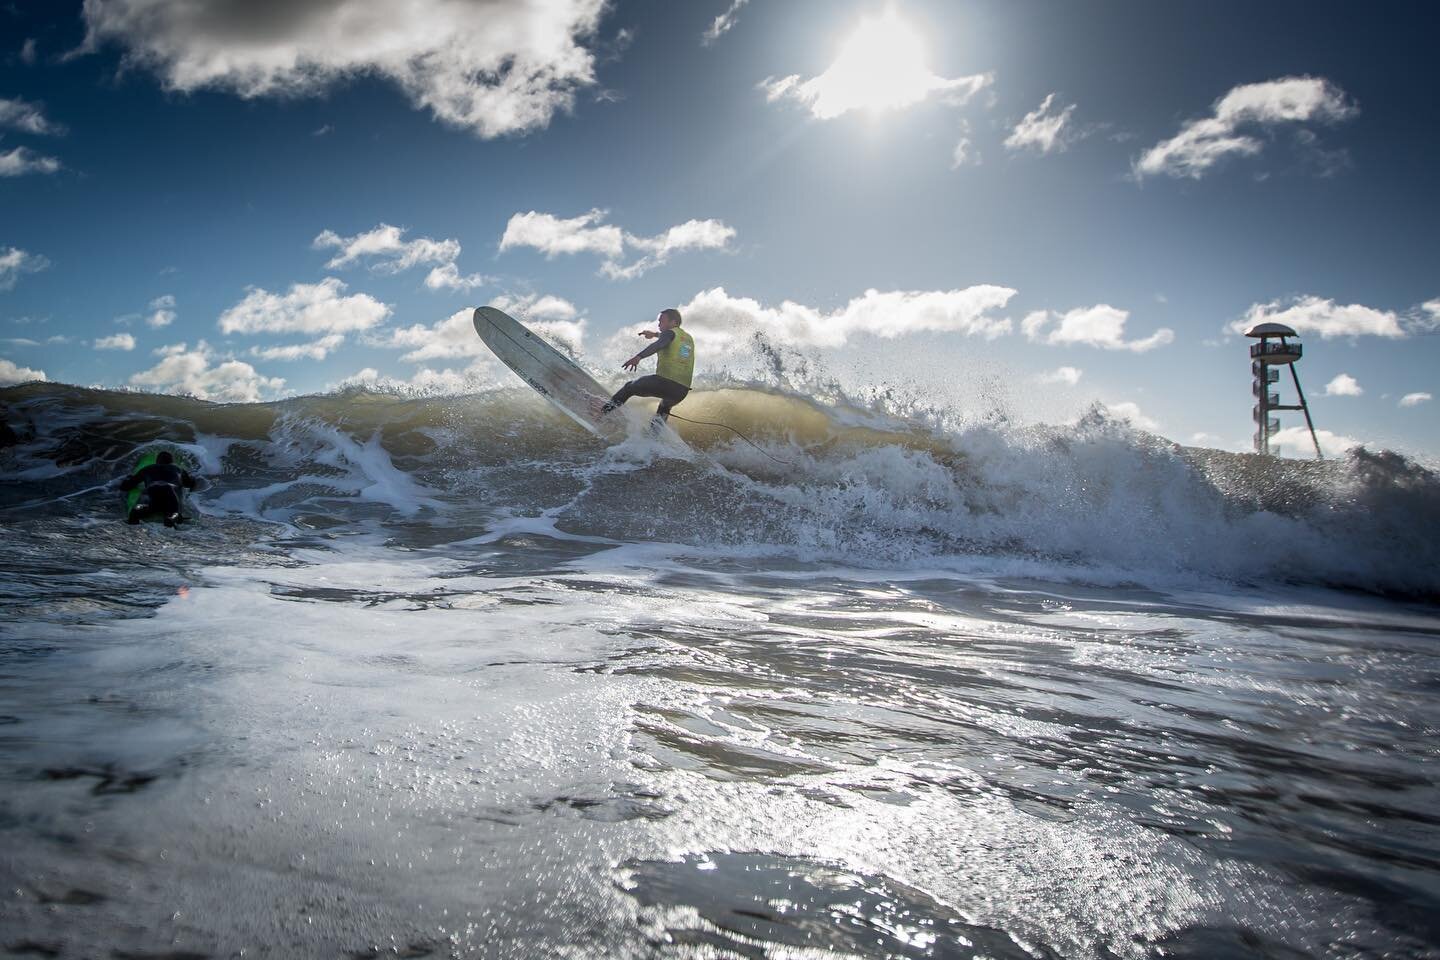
x,y
661,342
130,482
186,480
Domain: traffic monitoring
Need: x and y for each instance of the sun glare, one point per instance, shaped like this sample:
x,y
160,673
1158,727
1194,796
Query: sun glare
x,y
882,66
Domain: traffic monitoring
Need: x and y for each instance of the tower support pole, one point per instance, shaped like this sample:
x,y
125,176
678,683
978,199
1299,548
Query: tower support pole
x,y
1305,409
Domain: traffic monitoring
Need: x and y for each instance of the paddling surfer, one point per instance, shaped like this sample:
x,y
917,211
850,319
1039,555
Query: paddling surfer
x,y
162,482
674,352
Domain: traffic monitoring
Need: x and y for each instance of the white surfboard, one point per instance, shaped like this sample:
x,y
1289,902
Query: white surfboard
x,y
553,375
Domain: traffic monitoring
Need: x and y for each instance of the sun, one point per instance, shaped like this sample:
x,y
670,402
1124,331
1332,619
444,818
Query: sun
x,y
882,65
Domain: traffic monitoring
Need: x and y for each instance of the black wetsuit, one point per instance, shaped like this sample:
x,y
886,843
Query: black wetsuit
x,y
652,385
162,483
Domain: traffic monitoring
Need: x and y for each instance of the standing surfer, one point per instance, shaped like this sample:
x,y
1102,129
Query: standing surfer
x,y
162,482
674,350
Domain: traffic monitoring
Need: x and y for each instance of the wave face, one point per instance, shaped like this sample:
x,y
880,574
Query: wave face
x,y
819,480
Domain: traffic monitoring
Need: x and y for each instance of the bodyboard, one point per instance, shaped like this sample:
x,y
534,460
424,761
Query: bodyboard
x,y
132,497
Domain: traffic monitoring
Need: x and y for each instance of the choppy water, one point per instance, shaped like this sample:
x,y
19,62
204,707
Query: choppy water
x,y
447,677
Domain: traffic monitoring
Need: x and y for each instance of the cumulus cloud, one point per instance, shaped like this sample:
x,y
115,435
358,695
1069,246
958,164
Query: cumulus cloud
x,y
188,372
1099,326
427,382
881,66
1296,442
494,68
447,277
1202,143
14,262
309,308
552,317
1130,412
1415,399
386,249
315,350
27,117
1043,130
1343,385
729,325
554,236
1311,314
1066,375
10,373
23,160
162,312
120,341
724,23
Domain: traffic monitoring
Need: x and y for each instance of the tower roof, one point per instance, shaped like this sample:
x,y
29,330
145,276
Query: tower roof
x,y
1270,330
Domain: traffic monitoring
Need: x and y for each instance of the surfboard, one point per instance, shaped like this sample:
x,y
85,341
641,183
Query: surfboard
x,y
553,375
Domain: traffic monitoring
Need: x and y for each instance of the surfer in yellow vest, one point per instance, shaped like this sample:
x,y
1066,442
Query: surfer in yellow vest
x,y
674,350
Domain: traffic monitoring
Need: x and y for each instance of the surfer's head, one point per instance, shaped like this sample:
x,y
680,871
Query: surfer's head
x,y
164,457
668,318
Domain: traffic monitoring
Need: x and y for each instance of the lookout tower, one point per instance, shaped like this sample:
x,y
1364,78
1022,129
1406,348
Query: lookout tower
x,y
1278,346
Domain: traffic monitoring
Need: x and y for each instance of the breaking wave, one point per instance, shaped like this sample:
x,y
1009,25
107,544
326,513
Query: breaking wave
x,y
824,479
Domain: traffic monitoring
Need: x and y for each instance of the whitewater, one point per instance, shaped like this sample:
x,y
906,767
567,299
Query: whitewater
x,y
449,677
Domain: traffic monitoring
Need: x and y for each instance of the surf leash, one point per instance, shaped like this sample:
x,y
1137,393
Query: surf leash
x,y
724,426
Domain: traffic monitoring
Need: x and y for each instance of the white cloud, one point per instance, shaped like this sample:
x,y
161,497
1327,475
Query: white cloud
x,y
386,247
447,277
724,23
23,160
728,325
1066,375
537,307
552,317
188,372
963,154
1042,130
495,68
1427,318
10,373
553,236
1313,315
163,312
27,117
1202,143
1130,412
311,308
1415,399
120,341
27,52
1296,442
315,350
690,235
427,382
1099,326
881,66
14,261
1343,385
389,252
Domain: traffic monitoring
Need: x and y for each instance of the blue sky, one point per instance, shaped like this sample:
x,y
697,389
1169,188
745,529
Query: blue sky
x,y
1042,205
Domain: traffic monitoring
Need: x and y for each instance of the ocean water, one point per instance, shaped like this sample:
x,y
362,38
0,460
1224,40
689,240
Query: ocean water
x,y
448,677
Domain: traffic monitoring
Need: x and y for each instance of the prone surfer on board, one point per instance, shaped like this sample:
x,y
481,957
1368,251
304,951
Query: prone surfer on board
x,y
162,482
674,350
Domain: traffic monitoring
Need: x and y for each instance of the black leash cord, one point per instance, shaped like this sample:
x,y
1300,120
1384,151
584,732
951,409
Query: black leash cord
x,y
707,423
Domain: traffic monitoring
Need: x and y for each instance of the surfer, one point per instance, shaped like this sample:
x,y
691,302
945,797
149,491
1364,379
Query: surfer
x,y
162,481
674,350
